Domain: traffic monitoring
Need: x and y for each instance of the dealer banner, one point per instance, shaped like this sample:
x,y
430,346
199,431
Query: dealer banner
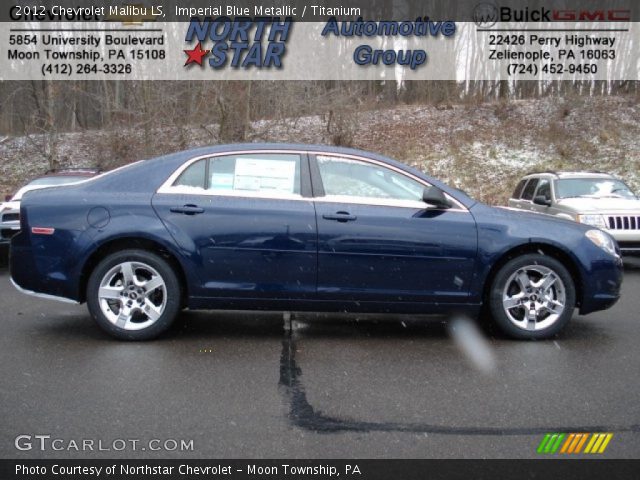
x,y
305,41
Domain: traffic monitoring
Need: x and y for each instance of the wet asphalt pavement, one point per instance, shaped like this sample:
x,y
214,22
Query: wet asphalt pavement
x,y
239,385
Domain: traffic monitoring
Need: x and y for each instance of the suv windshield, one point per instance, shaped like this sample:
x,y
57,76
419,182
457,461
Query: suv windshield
x,y
592,187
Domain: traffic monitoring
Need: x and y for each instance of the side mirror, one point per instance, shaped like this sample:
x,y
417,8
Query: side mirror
x,y
8,197
542,200
434,196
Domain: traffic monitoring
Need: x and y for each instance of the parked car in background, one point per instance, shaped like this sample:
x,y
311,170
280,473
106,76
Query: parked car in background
x,y
302,228
591,198
10,210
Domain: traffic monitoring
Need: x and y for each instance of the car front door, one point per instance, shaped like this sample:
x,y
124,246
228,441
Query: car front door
x,y
379,242
246,222
526,201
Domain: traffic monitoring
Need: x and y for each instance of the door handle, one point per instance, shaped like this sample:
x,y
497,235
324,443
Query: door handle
x,y
188,209
340,217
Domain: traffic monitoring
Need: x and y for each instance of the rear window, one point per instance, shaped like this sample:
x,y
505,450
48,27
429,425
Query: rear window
x,y
527,194
518,191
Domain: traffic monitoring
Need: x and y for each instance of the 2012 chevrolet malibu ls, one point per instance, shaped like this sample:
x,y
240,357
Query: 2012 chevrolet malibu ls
x,y
304,228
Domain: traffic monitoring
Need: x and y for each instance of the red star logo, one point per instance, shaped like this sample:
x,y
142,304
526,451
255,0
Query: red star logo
x,y
195,55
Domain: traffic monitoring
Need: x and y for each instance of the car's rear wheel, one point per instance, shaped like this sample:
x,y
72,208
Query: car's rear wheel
x,y
133,295
532,297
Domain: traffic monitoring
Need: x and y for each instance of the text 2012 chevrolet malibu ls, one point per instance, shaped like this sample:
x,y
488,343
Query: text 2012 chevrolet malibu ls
x,y
304,228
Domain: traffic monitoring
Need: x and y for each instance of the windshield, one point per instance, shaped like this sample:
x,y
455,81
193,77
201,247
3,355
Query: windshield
x,y
592,187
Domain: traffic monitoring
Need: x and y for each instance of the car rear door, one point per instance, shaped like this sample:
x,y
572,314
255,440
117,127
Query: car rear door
x,y
246,222
378,242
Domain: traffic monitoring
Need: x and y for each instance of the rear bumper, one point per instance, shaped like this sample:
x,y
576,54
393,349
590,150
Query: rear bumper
x,y
42,295
41,271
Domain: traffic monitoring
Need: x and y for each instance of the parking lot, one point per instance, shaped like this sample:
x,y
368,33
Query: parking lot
x,y
240,385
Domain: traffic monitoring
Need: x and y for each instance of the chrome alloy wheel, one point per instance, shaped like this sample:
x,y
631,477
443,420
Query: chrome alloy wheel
x,y
132,295
534,297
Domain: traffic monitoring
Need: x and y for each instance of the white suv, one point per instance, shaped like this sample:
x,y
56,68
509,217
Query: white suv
x,y
593,198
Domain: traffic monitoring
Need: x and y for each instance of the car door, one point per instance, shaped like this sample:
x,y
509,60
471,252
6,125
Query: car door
x,y
543,190
514,201
246,222
377,240
526,201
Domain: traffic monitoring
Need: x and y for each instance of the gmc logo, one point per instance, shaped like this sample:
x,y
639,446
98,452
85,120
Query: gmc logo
x,y
592,15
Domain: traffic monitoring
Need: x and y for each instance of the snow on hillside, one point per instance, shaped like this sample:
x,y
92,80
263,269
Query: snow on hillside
x,y
481,148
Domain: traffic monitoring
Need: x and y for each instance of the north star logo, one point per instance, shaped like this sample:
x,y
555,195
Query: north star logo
x,y
240,43
195,55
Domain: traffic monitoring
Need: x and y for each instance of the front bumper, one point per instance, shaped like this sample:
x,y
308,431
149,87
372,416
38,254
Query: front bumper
x,y
7,231
628,240
602,283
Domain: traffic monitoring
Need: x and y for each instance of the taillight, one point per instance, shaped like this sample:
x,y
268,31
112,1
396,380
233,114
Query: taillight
x,y
43,230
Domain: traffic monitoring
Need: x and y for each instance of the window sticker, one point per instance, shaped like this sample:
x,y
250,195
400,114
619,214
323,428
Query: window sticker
x,y
260,174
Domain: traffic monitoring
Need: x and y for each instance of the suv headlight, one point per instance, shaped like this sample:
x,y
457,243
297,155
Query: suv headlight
x,y
603,240
595,220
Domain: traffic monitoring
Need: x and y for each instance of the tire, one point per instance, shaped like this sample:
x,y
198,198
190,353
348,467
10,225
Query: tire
x,y
134,295
532,297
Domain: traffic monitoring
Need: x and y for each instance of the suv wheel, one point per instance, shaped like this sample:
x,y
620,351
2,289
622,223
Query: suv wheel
x,y
532,297
133,295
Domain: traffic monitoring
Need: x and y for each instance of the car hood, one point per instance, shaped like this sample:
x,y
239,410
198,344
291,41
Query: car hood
x,y
518,214
600,205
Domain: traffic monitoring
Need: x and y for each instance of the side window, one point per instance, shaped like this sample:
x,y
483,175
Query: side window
x,y
518,191
271,173
527,194
544,189
193,176
344,177
260,173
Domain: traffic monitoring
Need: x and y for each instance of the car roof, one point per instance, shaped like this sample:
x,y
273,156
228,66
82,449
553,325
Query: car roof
x,y
71,172
569,174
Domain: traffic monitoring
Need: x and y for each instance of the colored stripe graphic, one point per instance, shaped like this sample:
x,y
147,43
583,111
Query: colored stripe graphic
x,y
573,443
551,442
582,442
598,443
543,443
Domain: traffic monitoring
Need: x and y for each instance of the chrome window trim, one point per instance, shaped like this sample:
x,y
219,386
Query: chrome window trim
x,y
458,207
168,188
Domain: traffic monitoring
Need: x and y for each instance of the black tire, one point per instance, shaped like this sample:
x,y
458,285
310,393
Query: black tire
x,y
531,265
144,263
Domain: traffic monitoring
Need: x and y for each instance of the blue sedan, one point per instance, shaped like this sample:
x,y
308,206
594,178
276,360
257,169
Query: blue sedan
x,y
303,228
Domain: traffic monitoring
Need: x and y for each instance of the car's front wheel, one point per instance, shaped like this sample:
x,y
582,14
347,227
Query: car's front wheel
x,y
133,295
532,297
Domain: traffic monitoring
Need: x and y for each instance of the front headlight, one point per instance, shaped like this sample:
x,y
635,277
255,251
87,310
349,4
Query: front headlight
x,y
603,240
594,220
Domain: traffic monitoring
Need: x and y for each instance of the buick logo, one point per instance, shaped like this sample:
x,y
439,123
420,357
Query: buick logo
x,y
485,15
